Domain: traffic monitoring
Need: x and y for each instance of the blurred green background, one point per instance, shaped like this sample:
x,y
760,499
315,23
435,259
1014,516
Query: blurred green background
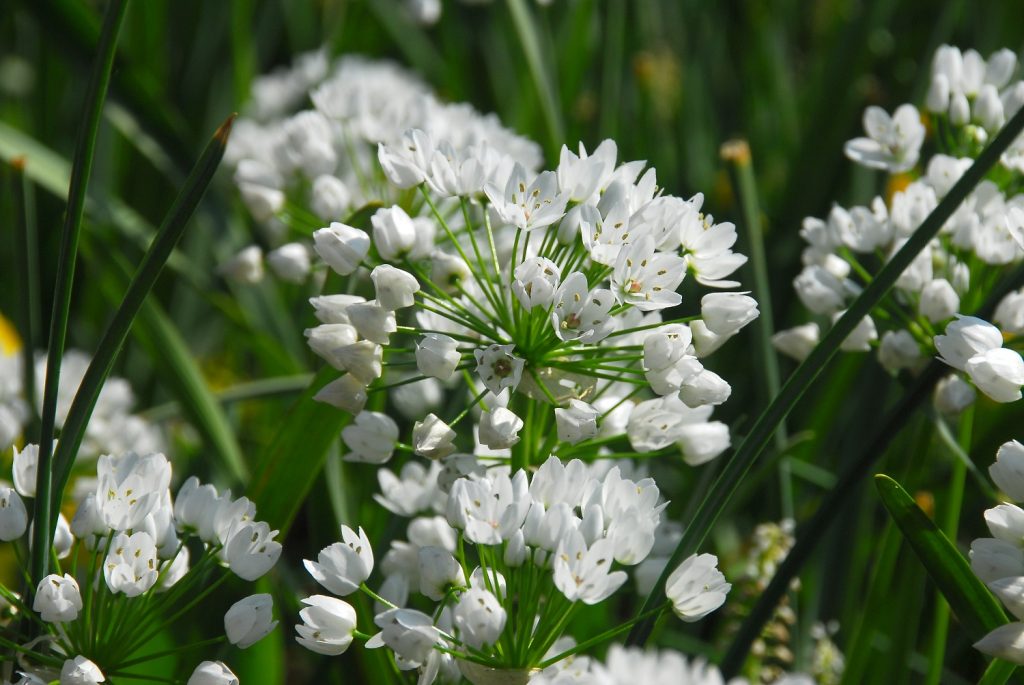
x,y
669,81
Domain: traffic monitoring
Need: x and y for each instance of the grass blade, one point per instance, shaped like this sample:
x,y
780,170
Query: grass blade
x,y
526,29
805,374
27,251
142,282
81,170
997,673
970,600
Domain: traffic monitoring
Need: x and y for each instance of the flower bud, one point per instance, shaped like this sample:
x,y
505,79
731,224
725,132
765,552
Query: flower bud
x,y
80,671
1008,470
395,288
371,437
999,373
577,422
326,339
939,301
1005,642
342,247
344,393
959,110
988,108
861,337
329,197
249,620
953,394
726,313
499,428
372,321
432,438
437,356
1009,315
58,599
394,234
439,572
704,387
702,442
13,515
244,267
819,290
327,625
290,262
696,587
24,470
899,350
212,673
937,99
966,337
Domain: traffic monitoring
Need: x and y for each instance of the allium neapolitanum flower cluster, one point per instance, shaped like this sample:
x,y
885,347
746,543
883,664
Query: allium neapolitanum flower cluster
x,y
494,582
131,562
538,295
518,318
969,100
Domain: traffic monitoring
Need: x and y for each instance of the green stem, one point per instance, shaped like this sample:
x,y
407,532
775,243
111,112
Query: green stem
x,y
808,371
81,170
142,282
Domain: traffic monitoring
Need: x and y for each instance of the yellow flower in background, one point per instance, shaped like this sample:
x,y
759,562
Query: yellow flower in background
x,y
9,340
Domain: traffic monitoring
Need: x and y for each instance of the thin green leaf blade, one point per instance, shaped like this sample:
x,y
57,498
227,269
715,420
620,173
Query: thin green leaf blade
x,y
997,673
970,600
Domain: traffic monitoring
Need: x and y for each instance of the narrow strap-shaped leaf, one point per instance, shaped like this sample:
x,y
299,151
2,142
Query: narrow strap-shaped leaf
x,y
810,532
81,170
142,282
805,374
997,673
970,600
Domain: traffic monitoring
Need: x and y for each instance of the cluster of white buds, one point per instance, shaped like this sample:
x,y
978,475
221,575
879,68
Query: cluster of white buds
x,y
112,428
958,269
504,569
133,571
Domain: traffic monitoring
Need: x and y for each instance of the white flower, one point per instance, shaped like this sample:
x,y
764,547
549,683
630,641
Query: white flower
x,y
80,671
371,437
372,321
696,587
704,387
244,267
702,442
479,617
58,599
252,551
862,335
819,290
899,350
331,308
249,620
499,428
448,271
394,234
999,373
456,172
130,487
797,342
606,232
363,360
668,358
581,176
290,262
343,566
647,279
577,422
439,572
580,314
498,368
1005,642
528,206
342,247
395,288
24,469
953,394
13,516
411,492
212,673
488,510
329,197
584,574
939,301
409,633
1008,470
437,356
893,143
344,393
432,438
726,313
1009,315
326,339
327,625
536,280
964,338
131,565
